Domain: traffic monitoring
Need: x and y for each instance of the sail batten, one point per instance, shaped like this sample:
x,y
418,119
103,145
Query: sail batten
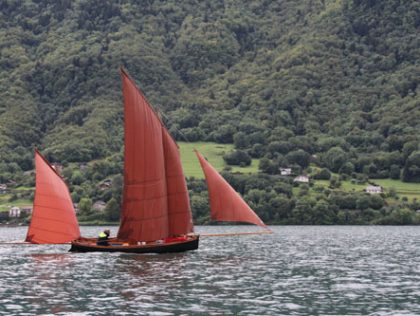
x,y
53,217
155,197
225,203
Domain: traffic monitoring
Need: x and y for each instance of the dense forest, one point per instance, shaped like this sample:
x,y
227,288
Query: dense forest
x,y
325,87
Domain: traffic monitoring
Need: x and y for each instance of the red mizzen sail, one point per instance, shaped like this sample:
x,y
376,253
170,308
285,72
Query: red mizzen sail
x,y
179,210
53,217
155,196
225,203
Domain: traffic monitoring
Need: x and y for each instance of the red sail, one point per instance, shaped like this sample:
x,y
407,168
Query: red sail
x,y
225,203
144,214
53,218
179,210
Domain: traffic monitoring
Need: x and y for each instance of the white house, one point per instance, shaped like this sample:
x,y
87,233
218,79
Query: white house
x,y
373,189
285,171
14,211
302,179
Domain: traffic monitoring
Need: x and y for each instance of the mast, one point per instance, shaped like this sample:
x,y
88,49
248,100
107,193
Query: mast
x,y
53,217
225,203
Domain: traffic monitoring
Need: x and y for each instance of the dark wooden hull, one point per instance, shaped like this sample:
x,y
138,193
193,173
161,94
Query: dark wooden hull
x,y
179,246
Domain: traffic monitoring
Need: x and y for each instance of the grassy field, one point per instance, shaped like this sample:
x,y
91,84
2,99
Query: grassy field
x,y
5,204
345,185
409,190
214,154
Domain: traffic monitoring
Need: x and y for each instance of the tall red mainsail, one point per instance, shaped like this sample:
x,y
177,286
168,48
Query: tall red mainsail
x,y
53,217
225,203
155,196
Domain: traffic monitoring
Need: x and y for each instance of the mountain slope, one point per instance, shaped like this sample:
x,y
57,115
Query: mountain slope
x,y
272,77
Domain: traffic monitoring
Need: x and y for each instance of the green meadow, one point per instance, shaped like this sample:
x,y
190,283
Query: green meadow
x,y
214,154
410,190
5,204
346,186
403,189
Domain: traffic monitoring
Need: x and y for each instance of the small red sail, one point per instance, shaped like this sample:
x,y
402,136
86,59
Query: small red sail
x,y
144,215
225,203
53,217
179,210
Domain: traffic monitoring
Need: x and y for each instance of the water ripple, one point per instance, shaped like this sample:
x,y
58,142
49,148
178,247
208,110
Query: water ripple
x,y
296,271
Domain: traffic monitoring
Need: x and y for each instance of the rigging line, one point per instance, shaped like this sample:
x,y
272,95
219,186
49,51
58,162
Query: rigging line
x,y
173,125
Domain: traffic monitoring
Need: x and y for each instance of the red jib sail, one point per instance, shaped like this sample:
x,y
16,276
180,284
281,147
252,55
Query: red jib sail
x,y
155,197
53,217
225,203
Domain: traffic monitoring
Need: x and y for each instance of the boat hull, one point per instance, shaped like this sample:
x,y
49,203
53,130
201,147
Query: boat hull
x,y
178,246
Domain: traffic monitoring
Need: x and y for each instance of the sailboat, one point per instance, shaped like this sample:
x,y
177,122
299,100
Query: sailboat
x,y
53,217
156,213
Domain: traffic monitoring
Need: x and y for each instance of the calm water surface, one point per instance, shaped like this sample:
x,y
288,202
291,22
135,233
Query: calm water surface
x,y
296,271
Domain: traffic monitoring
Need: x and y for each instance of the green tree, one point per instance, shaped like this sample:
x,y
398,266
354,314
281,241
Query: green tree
x,y
394,172
240,140
299,157
112,210
347,168
237,157
77,177
362,202
334,158
323,174
411,171
85,206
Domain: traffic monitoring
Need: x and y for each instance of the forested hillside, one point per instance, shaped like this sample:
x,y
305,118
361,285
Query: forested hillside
x,y
328,83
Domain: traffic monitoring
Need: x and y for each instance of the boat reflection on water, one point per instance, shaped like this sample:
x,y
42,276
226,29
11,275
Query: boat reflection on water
x,y
150,265
60,258
143,276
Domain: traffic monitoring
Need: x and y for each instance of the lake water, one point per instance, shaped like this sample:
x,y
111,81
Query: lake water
x,y
298,270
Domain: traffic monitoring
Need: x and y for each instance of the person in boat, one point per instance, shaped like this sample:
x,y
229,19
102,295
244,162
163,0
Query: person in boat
x,y
103,238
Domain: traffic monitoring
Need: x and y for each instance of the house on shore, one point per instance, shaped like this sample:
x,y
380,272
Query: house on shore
x,y
301,179
373,189
286,171
14,211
